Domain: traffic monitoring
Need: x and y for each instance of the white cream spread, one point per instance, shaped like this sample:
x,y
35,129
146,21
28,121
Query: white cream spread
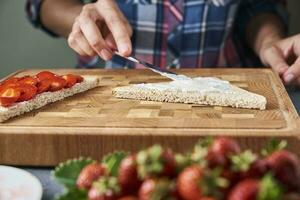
x,y
199,84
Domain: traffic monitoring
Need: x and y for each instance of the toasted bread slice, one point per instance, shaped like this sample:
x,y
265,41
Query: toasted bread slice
x,y
45,98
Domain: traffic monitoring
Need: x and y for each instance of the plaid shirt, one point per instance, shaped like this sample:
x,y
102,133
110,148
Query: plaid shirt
x,y
186,33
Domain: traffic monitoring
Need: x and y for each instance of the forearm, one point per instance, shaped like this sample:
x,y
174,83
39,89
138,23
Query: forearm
x,y
263,30
59,15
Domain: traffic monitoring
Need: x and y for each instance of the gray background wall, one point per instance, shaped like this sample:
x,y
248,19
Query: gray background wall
x,y
22,46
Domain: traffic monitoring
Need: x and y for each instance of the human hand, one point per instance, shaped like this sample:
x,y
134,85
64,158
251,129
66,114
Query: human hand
x,y
284,57
100,28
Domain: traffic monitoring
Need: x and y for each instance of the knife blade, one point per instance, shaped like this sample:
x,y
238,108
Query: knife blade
x,y
146,64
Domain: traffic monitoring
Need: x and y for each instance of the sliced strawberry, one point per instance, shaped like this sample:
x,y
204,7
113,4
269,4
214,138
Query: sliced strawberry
x,y
28,80
128,175
79,78
57,83
45,75
27,92
10,80
89,174
71,80
43,86
8,96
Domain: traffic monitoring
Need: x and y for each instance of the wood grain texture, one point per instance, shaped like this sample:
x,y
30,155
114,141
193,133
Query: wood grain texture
x,y
95,122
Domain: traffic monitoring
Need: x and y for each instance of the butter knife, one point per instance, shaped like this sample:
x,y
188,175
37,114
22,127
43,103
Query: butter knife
x,y
163,72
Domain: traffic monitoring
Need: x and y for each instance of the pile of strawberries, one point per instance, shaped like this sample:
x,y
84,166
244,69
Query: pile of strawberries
x,y
214,170
19,89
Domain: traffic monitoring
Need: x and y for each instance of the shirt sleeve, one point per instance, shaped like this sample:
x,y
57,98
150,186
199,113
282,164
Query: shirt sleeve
x,y
249,8
33,8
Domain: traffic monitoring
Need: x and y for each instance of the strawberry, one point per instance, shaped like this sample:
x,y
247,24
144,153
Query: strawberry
x,y
9,81
196,182
8,96
27,92
220,151
44,86
79,78
285,167
105,188
254,189
245,190
45,75
155,161
57,83
89,174
128,176
128,198
28,80
70,79
158,189
257,169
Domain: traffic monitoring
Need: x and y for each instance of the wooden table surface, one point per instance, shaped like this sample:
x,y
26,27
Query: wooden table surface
x,y
95,122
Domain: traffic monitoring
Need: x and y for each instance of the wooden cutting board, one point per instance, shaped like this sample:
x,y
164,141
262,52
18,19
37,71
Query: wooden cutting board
x,y
95,122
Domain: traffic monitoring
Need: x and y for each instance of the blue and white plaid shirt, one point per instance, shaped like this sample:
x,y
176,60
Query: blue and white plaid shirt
x,y
194,33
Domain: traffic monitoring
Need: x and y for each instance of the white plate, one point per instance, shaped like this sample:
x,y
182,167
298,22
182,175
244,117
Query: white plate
x,y
17,184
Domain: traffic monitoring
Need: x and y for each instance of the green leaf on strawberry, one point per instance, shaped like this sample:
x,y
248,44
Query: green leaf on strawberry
x,y
200,150
269,189
66,173
73,194
242,161
112,162
274,145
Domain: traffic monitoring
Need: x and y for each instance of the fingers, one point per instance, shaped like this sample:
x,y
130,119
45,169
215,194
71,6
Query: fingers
x,y
118,26
274,57
293,72
92,33
79,43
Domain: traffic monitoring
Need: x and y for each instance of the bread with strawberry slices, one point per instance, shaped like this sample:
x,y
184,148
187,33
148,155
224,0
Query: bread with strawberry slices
x,y
17,97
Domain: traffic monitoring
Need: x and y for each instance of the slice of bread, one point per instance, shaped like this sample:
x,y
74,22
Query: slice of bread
x,y
45,98
234,97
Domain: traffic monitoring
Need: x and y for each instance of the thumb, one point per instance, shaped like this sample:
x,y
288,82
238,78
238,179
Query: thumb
x,y
293,72
275,59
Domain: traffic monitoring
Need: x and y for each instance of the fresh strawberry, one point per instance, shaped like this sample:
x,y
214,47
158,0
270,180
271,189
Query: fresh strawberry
x,y
57,83
128,175
208,198
155,161
188,183
257,169
44,86
70,79
220,151
105,188
254,189
285,167
245,190
28,80
89,174
8,96
27,92
158,189
196,182
129,198
45,75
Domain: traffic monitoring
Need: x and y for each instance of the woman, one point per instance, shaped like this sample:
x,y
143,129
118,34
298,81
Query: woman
x,y
193,33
